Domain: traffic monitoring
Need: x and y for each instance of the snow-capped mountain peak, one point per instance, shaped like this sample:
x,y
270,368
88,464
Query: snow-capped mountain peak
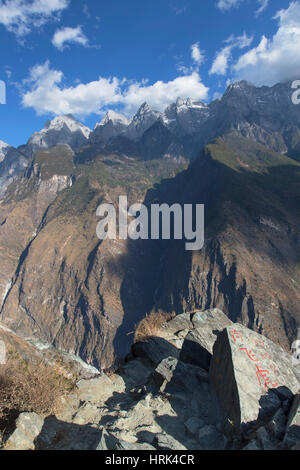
x,y
67,120
114,117
60,130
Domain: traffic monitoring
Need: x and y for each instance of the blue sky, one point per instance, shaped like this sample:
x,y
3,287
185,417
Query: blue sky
x,y
84,57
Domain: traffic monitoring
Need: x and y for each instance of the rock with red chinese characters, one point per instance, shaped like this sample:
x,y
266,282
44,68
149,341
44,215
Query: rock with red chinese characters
x,y
251,376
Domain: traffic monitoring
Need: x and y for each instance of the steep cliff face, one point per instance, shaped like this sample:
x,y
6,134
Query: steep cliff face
x,y
249,265
60,283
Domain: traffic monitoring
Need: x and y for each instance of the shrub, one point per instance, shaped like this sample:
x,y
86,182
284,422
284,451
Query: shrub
x,y
27,387
150,326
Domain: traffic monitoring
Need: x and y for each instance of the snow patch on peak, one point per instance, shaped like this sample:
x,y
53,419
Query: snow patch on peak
x,y
67,120
190,103
115,117
61,130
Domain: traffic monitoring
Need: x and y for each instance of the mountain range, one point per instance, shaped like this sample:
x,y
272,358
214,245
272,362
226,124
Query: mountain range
x,y
238,155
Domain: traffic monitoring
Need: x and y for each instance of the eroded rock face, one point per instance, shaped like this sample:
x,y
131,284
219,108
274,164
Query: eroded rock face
x,y
251,377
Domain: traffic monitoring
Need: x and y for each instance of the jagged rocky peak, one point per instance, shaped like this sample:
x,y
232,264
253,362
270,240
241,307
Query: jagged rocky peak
x,y
145,113
186,115
60,130
144,118
112,125
69,121
114,117
240,85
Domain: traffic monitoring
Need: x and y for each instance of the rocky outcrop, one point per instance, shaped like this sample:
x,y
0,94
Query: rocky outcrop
x,y
198,344
251,376
156,403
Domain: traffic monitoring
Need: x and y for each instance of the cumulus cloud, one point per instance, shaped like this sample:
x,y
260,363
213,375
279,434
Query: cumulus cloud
x,y
67,35
221,63
19,16
275,59
45,93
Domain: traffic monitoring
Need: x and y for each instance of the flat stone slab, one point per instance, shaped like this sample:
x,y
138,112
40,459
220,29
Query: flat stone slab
x,y
180,322
197,347
251,377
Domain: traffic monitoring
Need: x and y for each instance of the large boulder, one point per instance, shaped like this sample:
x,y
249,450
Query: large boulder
x,y
198,344
251,377
28,427
174,372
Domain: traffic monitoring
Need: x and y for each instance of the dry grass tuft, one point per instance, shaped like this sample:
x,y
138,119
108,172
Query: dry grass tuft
x,y
27,387
150,326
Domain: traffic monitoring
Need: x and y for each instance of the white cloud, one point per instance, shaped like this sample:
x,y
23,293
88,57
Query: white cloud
x,y
225,5
221,62
263,4
198,57
45,93
275,59
19,16
69,35
197,54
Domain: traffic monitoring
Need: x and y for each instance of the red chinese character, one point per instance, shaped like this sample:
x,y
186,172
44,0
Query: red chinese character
x,y
250,354
235,334
260,373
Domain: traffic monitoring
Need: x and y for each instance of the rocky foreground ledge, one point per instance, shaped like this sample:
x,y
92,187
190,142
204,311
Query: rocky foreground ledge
x,y
201,383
